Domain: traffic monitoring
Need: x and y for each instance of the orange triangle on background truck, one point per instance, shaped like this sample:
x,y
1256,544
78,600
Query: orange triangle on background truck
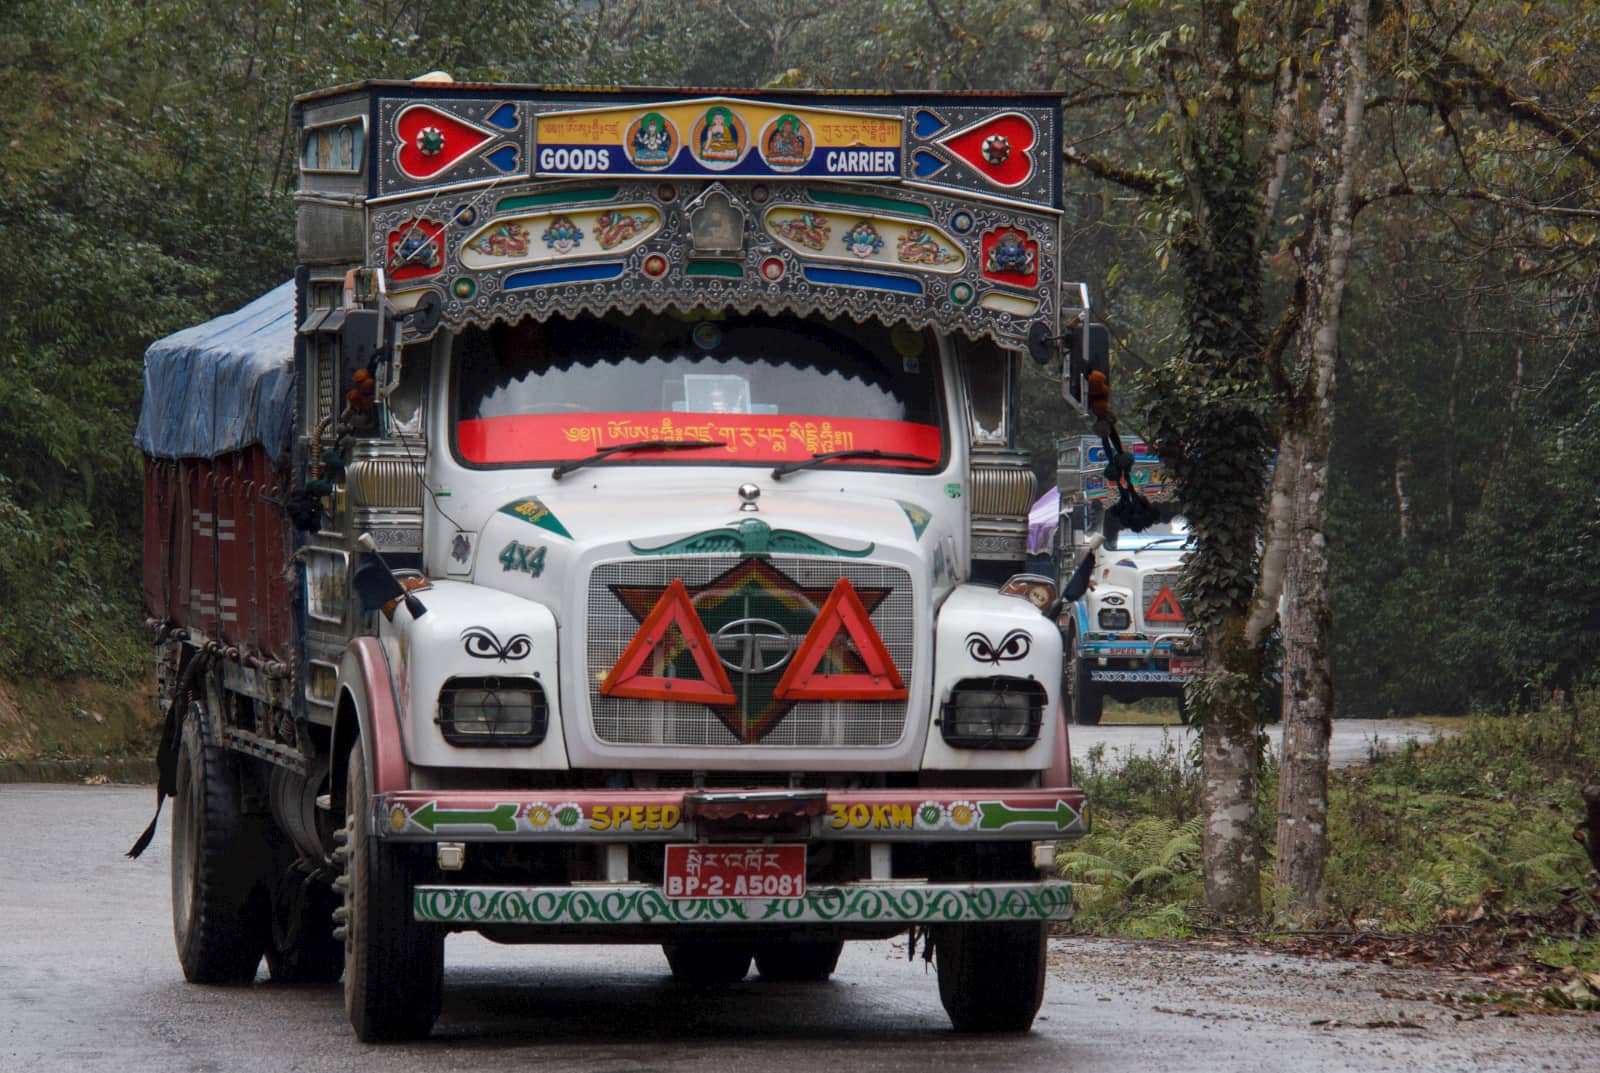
x,y
627,677
842,610
1164,608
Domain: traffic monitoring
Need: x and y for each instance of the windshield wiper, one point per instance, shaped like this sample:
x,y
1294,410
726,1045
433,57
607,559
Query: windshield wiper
x,y
782,468
636,445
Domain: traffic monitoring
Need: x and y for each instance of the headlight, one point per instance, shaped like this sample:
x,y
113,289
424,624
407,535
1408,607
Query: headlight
x,y
992,713
493,711
1115,618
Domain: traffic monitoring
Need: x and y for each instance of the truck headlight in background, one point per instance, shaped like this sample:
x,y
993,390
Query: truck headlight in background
x,y
493,711
1114,618
992,713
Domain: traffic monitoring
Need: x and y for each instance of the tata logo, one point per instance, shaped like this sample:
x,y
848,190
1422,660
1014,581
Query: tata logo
x,y
753,645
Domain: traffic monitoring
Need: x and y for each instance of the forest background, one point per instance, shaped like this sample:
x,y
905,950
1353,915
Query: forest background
x,y
146,181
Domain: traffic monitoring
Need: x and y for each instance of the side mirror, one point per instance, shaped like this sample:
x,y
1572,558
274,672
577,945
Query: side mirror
x,y
375,584
1041,344
360,339
1088,349
423,318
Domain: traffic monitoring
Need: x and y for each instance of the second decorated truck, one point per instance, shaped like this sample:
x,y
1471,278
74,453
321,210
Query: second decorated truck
x,y
1125,638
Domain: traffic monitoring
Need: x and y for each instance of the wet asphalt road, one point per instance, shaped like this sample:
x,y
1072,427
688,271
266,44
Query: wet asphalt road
x,y
1354,741
89,982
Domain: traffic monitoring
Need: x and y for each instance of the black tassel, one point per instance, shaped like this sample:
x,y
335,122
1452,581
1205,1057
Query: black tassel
x,y
1133,511
143,841
1078,583
167,752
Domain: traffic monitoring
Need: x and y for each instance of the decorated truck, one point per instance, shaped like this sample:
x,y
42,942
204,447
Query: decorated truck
x,y
615,533
1125,637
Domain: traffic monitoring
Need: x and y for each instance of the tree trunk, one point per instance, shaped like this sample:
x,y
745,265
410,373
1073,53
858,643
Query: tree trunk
x,y
1307,688
1588,832
1230,844
1402,490
1308,680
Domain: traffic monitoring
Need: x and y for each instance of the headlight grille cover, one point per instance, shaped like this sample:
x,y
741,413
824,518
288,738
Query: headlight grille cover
x,y
993,713
493,711
1115,618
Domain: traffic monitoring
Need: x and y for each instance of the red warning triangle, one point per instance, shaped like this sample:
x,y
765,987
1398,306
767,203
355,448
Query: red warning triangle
x,y
627,677
842,610
1164,608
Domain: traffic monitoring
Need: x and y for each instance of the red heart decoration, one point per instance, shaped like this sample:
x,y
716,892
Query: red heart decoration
x,y
1008,161
432,141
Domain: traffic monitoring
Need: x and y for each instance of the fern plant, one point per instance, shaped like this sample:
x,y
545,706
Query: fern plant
x,y
1151,862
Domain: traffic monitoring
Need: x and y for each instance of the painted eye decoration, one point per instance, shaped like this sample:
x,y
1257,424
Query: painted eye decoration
x,y
480,642
1013,646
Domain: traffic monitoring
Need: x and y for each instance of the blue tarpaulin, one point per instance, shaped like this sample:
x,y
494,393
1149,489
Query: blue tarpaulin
x,y
223,385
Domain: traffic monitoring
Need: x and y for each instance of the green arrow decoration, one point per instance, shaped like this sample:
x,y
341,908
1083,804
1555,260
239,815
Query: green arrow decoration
x,y
502,818
995,815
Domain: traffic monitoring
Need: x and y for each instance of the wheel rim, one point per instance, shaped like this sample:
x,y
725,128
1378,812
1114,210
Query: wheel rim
x,y
186,837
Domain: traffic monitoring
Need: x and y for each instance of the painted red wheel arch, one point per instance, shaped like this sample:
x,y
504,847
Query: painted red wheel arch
x,y
1060,772
364,673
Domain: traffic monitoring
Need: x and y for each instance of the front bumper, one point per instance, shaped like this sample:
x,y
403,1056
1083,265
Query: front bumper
x,y
913,815
895,902
1137,676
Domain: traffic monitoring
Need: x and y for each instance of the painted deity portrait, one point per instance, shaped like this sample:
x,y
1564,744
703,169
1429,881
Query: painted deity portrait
x,y
651,141
719,137
788,143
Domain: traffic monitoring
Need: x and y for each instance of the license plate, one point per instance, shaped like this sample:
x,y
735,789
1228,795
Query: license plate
x,y
1184,666
735,871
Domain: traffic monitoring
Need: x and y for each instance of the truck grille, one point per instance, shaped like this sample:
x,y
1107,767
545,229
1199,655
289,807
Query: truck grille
x,y
1151,599
734,598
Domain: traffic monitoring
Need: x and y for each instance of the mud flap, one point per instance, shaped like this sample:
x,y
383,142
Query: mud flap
x,y
167,752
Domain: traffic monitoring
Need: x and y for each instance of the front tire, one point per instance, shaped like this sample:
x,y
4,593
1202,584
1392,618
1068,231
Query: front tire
x,y
991,976
393,966
798,962
219,916
1085,702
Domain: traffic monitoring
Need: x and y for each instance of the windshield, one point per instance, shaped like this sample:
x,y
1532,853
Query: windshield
x,y
769,388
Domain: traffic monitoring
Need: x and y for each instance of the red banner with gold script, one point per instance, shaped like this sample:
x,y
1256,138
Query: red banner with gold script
x,y
527,438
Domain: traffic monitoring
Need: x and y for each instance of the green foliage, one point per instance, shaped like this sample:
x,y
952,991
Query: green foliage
x,y
1510,757
147,186
1162,783
1460,506
1425,836
1135,880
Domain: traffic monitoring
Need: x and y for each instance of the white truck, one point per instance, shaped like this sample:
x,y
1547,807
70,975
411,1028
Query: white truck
x,y
616,533
1125,637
